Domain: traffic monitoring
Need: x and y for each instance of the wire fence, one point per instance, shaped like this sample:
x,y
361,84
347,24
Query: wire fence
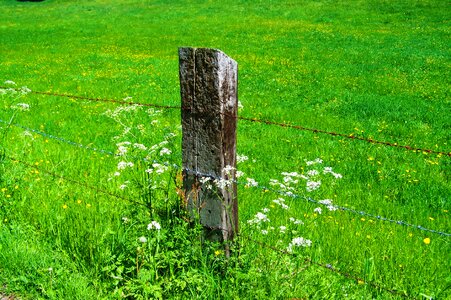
x,y
261,187
256,120
306,260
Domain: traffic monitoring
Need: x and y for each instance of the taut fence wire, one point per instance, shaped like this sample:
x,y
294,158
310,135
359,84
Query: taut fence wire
x,y
255,120
194,172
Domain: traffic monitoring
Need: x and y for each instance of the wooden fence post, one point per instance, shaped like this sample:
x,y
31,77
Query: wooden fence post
x,y
208,87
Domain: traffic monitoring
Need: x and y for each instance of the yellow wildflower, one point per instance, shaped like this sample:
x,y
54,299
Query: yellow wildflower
x,y
427,241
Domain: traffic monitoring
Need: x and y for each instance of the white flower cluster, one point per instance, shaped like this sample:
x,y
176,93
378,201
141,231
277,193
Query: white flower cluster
x,y
21,106
298,242
154,225
157,168
122,165
259,218
281,203
329,170
241,158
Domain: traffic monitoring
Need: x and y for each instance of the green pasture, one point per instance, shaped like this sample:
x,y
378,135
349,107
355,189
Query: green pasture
x,y
368,68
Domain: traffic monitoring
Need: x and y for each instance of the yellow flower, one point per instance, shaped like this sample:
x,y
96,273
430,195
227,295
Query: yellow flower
x,y
360,281
218,252
410,234
65,206
88,205
427,241
78,201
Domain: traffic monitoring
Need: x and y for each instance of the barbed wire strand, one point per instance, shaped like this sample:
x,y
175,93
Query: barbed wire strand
x,y
348,136
122,102
264,188
354,211
255,120
54,175
332,269
50,136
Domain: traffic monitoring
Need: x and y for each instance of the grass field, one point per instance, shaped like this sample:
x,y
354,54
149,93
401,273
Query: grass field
x,y
371,68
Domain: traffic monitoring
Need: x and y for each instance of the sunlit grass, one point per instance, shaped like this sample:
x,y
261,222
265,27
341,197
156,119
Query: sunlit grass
x,y
377,69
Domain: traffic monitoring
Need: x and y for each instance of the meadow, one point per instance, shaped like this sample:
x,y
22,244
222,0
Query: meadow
x,y
89,201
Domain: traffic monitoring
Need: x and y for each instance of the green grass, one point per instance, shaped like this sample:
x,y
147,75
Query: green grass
x,y
377,69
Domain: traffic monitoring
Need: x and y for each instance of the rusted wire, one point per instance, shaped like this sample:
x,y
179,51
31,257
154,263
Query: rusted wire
x,y
255,120
348,136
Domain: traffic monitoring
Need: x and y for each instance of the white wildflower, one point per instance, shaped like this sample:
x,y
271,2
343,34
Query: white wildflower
x,y
21,106
121,165
264,232
290,180
228,169
313,185
241,158
299,242
251,182
117,174
327,170
274,182
238,174
265,210
154,225
332,208
281,202
240,105
222,183
122,150
325,202
318,210
292,174
296,222
282,229
165,151
125,220
139,146
204,179
9,82
24,90
159,168
312,173
336,175
314,162
143,239
259,218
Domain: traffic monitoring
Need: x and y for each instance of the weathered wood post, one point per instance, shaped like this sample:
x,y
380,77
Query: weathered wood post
x,y
208,87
